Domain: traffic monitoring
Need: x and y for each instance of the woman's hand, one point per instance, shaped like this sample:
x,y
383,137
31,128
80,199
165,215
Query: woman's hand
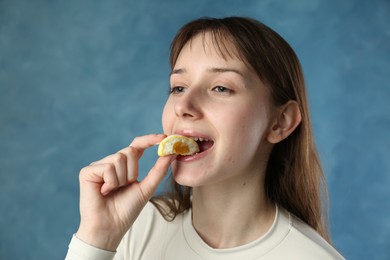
x,y
111,198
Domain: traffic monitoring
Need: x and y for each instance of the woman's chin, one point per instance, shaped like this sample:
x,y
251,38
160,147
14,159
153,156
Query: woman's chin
x,y
188,178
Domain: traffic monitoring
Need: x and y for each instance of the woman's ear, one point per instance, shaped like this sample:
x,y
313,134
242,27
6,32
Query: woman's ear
x,y
287,118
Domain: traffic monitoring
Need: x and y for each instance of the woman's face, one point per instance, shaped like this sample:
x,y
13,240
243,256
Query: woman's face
x,y
223,102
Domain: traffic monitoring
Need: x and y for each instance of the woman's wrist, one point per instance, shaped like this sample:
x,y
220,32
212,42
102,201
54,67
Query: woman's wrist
x,y
105,240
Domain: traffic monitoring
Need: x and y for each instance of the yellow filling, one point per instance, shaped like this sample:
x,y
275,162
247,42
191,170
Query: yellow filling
x,y
180,148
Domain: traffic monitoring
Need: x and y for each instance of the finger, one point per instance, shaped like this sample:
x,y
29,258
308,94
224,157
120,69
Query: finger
x,y
150,183
101,175
146,141
119,160
135,151
132,156
140,143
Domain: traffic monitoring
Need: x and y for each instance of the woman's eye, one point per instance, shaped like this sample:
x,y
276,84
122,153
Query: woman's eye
x,y
176,90
222,89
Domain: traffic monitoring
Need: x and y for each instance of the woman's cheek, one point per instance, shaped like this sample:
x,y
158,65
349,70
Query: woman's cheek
x,y
166,117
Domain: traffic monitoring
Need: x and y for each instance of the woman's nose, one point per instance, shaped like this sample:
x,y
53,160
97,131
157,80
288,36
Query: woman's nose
x,y
188,106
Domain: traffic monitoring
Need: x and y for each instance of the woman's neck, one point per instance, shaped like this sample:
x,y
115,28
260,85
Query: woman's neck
x,y
232,214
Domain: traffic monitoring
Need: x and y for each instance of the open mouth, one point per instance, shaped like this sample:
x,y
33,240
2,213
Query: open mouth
x,y
204,144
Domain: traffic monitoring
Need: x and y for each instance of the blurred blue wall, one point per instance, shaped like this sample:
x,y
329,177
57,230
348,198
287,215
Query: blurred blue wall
x,y
80,79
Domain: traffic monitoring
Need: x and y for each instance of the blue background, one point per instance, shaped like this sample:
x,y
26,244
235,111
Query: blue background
x,y
80,79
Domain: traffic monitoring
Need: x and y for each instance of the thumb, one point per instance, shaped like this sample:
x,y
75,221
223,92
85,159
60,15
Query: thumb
x,y
150,183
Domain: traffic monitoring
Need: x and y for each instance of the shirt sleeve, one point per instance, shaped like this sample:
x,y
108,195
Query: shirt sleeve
x,y
79,250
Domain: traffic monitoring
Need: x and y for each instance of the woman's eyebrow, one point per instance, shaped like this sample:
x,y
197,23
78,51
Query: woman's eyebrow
x,y
224,70
212,70
178,71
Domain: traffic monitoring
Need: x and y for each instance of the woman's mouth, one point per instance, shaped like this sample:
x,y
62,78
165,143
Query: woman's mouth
x,y
204,146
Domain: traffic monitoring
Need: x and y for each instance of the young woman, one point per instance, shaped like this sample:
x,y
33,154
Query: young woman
x,y
254,190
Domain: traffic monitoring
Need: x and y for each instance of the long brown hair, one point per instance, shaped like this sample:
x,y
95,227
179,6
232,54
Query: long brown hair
x,y
294,178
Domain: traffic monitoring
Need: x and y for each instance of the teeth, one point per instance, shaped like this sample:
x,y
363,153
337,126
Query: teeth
x,y
199,139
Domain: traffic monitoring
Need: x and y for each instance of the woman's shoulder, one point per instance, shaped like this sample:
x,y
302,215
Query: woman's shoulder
x,y
305,240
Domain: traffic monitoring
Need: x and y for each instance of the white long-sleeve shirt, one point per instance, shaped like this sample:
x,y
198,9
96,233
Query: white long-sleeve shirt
x,y
152,238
